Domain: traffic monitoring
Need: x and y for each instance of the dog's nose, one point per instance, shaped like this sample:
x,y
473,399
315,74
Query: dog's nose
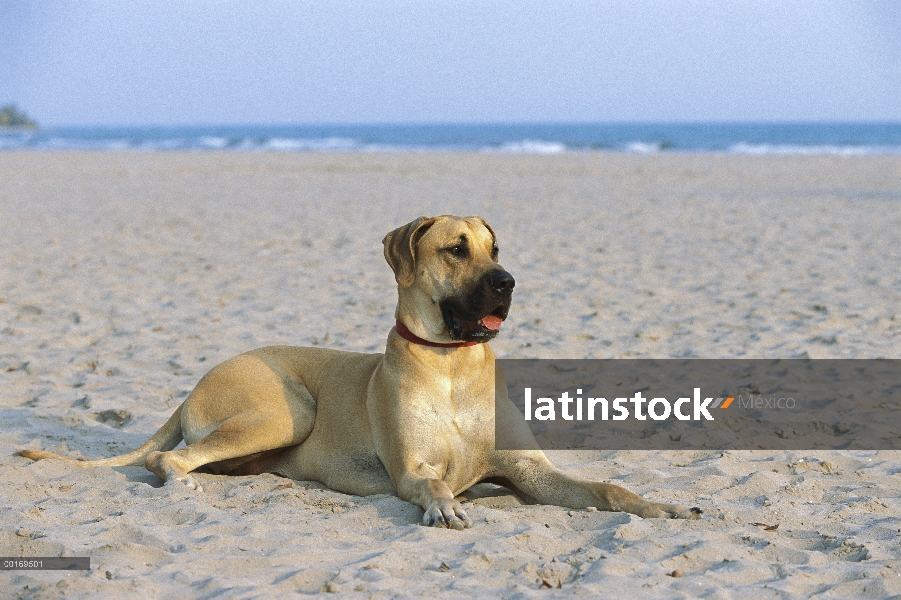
x,y
502,281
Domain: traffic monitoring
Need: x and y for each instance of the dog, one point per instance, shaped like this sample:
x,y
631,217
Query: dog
x,y
416,421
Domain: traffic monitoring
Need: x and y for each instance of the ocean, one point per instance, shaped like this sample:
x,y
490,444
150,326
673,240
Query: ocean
x,y
639,138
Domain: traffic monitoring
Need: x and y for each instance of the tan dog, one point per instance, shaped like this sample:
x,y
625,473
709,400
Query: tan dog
x,y
417,421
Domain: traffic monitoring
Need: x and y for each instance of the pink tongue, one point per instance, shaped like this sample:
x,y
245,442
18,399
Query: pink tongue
x,y
492,322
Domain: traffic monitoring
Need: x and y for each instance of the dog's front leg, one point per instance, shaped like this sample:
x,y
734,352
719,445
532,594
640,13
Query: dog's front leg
x,y
531,473
423,485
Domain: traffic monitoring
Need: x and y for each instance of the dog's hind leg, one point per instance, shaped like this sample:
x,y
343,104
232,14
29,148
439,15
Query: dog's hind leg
x,y
248,405
168,437
240,439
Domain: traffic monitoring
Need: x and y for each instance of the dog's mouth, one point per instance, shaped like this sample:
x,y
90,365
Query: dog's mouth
x,y
477,329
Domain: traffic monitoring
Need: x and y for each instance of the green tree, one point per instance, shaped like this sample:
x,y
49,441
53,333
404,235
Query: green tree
x,y
10,116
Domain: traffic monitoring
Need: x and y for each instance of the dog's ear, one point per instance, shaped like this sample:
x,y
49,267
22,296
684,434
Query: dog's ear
x,y
400,249
485,223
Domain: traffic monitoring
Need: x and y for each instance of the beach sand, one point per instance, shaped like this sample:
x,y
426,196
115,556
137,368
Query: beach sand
x,y
124,277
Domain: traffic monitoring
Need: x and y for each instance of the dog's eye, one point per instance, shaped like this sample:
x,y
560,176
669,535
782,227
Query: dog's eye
x,y
457,250
494,253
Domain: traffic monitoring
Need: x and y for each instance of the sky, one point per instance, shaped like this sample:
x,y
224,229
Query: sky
x,y
165,62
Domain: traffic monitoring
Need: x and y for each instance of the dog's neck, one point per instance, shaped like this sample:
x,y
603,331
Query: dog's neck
x,y
408,335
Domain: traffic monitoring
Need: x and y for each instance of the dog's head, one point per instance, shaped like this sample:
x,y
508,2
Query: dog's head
x,y
449,281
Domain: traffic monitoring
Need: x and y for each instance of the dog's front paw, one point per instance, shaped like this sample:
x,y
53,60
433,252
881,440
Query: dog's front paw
x,y
446,513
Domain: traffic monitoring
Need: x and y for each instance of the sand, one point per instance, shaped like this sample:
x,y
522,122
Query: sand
x,y
124,277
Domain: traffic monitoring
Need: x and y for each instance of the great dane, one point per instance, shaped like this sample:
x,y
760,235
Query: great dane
x,y
416,421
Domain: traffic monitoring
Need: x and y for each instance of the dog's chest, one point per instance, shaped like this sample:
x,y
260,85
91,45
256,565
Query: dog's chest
x,y
460,423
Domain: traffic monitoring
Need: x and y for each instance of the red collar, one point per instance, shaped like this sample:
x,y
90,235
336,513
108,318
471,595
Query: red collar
x,y
408,335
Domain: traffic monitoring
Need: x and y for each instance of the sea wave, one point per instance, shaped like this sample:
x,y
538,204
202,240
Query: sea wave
x,y
532,147
812,150
742,139
309,145
646,147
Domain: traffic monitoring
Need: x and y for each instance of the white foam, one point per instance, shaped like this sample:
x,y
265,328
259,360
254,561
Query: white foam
x,y
821,150
644,147
213,142
167,144
316,145
533,147
63,143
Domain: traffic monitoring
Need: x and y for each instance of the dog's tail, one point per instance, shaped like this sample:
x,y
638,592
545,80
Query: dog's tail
x,y
166,438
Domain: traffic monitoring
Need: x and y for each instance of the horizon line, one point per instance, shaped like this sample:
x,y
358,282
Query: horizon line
x,y
463,123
